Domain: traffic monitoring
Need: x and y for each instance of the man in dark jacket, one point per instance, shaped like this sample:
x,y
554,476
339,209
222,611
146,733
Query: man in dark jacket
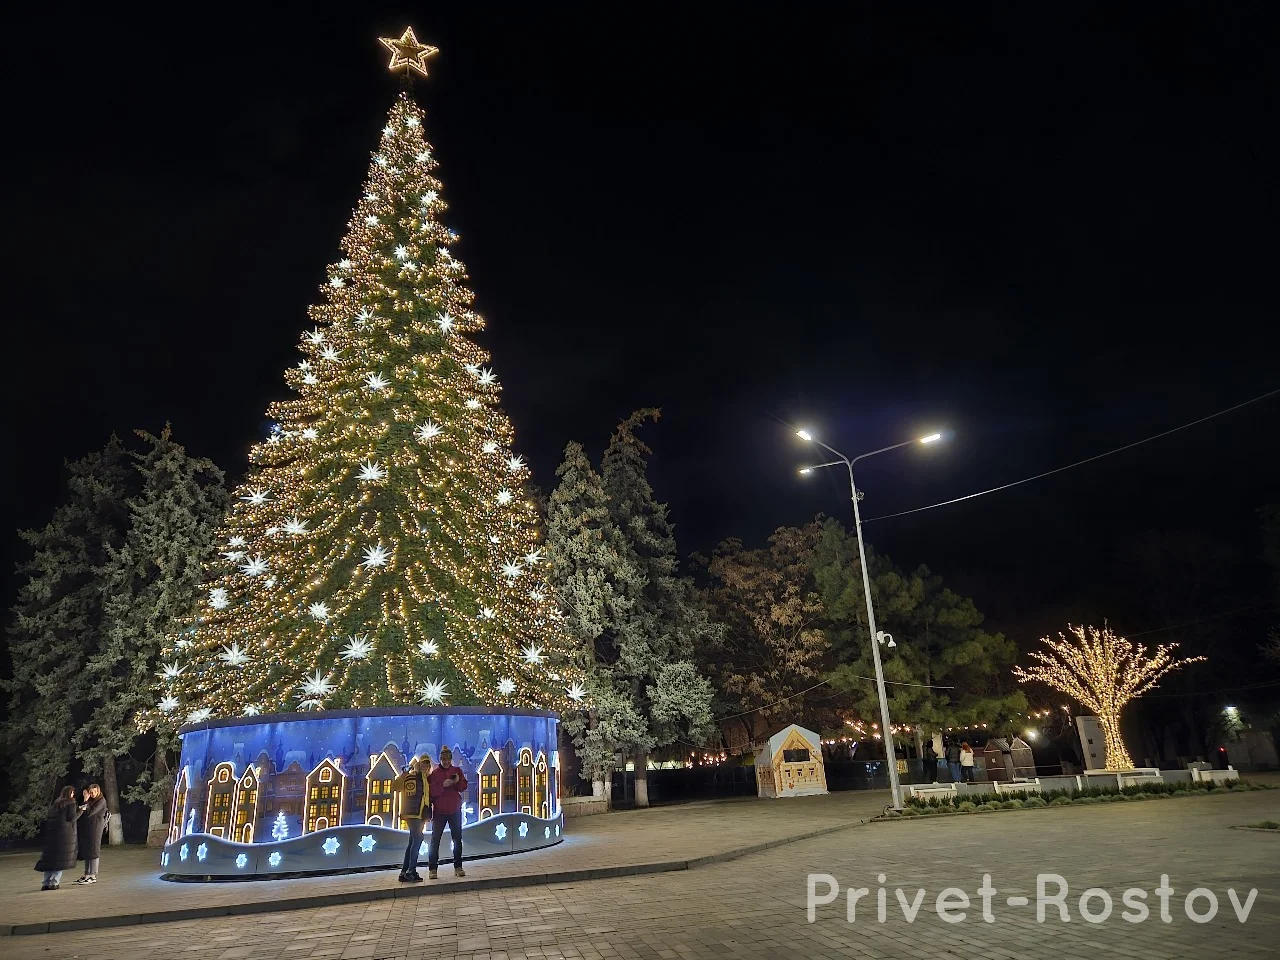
x,y
929,760
59,850
953,759
93,818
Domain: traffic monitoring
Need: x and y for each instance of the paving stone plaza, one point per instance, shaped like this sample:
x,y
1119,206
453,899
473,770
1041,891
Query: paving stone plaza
x,y
682,886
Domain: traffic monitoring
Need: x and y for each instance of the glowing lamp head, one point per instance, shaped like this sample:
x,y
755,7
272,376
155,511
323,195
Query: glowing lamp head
x,y
931,438
804,435
806,470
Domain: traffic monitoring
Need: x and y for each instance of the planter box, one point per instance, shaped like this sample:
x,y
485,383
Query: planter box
x,y
1018,786
1217,776
1071,783
583,806
927,790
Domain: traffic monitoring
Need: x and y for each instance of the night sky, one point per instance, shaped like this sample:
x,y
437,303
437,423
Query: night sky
x,y
1051,232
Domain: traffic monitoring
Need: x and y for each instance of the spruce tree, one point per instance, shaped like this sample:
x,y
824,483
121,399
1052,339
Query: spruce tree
x,y
383,548
597,585
150,584
655,651
57,630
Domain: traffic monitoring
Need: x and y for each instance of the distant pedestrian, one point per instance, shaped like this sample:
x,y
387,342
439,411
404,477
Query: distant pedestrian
x,y
966,761
929,758
93,818
59,850
415,810
448,784
953,759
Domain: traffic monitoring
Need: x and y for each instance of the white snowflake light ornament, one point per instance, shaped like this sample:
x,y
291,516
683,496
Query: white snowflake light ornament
x,y
254,567
234,655
376,556
357,648
433,691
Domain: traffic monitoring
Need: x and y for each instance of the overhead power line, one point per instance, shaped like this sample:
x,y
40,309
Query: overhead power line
x,y
1212,616
1078,463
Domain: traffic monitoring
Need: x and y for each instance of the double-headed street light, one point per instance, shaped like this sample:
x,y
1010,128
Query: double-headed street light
x,y
877,638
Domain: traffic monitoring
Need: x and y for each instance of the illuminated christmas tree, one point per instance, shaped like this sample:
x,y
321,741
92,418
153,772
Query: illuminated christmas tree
x,y
383,548
1103,672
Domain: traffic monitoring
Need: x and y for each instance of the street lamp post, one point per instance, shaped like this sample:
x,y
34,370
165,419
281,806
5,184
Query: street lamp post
x,y
891,759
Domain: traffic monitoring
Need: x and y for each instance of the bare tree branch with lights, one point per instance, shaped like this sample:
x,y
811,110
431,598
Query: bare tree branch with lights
x,y
1103,672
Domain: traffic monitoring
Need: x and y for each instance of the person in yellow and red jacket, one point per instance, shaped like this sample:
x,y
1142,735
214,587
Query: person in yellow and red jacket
x,y
415,810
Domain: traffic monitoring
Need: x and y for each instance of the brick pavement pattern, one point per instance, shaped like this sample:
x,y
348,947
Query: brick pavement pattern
x,y
661,838
754,907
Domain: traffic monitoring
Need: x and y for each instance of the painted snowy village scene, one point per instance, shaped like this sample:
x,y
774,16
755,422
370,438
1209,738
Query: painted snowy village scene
x,y
309,788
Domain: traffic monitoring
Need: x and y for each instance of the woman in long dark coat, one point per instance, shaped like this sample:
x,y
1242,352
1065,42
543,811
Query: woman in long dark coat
x,y
93,814
59,851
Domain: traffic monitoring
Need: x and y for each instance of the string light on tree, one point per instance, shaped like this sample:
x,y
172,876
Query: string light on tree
x,y
385,546
1103,672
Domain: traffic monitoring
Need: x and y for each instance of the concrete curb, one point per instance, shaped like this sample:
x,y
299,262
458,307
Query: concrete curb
x,y
414,890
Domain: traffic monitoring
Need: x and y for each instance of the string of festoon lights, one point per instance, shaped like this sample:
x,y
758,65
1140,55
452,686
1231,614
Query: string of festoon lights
x,y
383,548
872,731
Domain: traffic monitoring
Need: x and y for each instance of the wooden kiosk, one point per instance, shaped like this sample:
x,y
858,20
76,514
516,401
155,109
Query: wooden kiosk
x,y
789,764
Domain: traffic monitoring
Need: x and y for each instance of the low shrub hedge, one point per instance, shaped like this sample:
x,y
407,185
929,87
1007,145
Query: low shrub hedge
x,y
986,802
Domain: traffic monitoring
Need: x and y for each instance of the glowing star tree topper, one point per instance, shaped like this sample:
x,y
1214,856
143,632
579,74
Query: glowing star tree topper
x,y
383,548
1103,672
408,55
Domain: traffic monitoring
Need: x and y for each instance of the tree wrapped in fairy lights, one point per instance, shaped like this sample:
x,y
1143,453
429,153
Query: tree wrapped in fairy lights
x,y
1103,672
383,548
